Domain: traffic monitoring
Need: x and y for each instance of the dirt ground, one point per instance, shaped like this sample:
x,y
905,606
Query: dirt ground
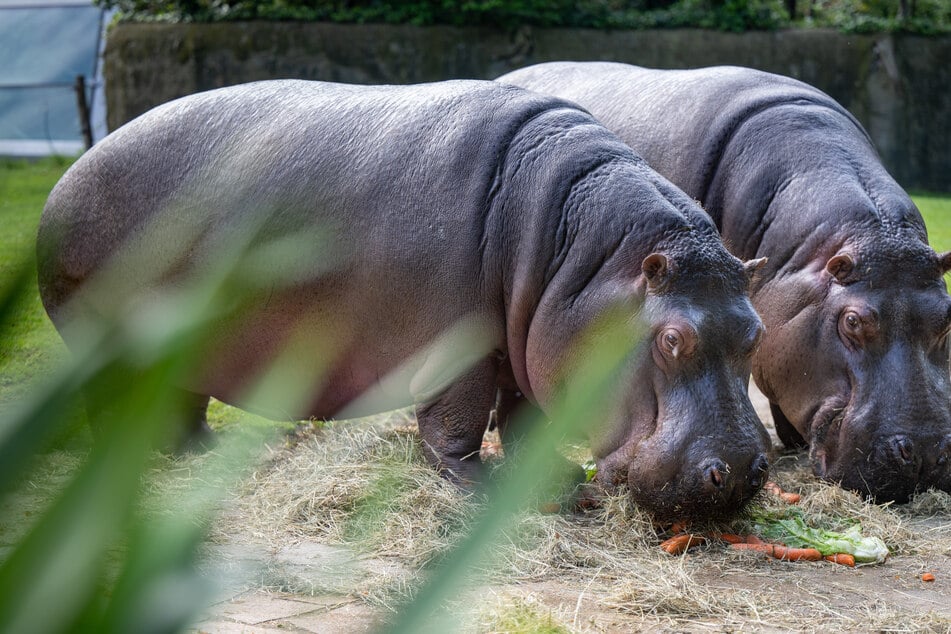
x,y
302,584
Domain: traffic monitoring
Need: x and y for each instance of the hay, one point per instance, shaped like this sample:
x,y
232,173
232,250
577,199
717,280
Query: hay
x,y
365,487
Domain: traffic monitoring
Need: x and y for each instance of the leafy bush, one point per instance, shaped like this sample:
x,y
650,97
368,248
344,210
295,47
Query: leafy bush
x,y
926,16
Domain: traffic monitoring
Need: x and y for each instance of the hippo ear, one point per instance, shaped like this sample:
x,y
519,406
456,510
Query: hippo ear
x,y
654,268
752,266
839,266
944,261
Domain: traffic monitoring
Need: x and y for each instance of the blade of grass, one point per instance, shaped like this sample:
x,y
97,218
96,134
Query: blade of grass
x,y
592,381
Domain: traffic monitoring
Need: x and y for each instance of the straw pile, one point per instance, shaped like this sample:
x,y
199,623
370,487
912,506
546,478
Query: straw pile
x,y
365,487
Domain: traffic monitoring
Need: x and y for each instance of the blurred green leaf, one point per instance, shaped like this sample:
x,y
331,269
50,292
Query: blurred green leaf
x,y
599,361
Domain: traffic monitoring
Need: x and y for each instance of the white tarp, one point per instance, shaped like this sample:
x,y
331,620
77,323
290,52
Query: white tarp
x,y
44,45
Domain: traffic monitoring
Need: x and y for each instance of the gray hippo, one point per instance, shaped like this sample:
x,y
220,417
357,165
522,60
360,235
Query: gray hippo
x,y
855,357
444,201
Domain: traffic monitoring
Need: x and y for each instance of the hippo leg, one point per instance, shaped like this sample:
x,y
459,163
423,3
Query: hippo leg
x,y
196,434
515,417
791,438
453,424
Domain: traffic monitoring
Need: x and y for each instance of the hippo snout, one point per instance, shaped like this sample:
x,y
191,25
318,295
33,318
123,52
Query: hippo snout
x,y
708,488
899,466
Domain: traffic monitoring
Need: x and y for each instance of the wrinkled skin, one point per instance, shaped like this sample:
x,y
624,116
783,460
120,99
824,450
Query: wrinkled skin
x,y
855,357
445,201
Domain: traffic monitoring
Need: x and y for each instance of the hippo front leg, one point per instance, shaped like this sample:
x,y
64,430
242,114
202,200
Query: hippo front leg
x,y
453,424
789,435
514,415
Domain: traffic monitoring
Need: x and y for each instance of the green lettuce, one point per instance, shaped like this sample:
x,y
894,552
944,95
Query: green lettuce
x,y
792,530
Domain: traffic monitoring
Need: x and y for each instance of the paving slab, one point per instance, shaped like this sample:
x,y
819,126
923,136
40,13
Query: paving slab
x,y
256,608
229,627
354,618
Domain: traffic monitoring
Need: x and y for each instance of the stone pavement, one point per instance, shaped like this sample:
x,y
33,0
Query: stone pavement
x,y
258,612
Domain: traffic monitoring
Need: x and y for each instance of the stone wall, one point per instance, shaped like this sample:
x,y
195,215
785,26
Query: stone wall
x,y
898,86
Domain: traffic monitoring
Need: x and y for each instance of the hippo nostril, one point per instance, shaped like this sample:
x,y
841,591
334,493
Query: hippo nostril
x,y
902,449
759,470
716,474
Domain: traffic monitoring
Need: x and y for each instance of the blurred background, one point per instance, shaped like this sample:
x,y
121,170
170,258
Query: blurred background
x,y
887,61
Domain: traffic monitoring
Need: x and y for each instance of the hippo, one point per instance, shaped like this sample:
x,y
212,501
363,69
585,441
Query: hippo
x,y
855,357
449,201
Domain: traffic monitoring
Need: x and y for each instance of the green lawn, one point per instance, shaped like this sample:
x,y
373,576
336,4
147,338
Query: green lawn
x,y
30,344
937,212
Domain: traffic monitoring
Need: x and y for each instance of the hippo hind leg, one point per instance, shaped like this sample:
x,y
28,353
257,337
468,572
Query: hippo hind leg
x,y
788,434
192,435
196,435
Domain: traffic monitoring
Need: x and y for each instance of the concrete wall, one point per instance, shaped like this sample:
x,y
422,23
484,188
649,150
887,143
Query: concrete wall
x,y
899,86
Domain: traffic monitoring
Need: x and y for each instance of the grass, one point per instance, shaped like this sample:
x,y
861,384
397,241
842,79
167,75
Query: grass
x,y
31,345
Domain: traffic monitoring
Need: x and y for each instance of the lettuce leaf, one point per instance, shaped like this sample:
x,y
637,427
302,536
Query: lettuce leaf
x,y
792,530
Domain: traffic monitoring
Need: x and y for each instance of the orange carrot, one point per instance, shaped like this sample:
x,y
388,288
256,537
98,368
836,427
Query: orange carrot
x,y
782,552
927,577
842,558
729,538
678,544
678,527
775,489
753,539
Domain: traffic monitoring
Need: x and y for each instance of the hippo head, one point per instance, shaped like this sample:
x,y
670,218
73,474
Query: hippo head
x,y
856,363
686,439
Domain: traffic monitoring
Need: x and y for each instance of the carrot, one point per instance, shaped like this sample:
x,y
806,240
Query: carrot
x,y
678,544
679,527
729,538
842,558
732,538
782,552
775,489
927,577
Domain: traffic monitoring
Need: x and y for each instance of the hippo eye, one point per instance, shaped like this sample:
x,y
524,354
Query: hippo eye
x,y
857,330
672,342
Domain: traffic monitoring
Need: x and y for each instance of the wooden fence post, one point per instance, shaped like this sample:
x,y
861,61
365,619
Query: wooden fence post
x,y
85,125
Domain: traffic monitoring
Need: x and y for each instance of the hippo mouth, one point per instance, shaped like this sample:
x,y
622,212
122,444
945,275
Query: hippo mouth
x,y
872,472
670,494
823,443
674,501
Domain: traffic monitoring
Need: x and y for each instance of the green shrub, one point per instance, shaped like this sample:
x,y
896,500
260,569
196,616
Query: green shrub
x,y
927,16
